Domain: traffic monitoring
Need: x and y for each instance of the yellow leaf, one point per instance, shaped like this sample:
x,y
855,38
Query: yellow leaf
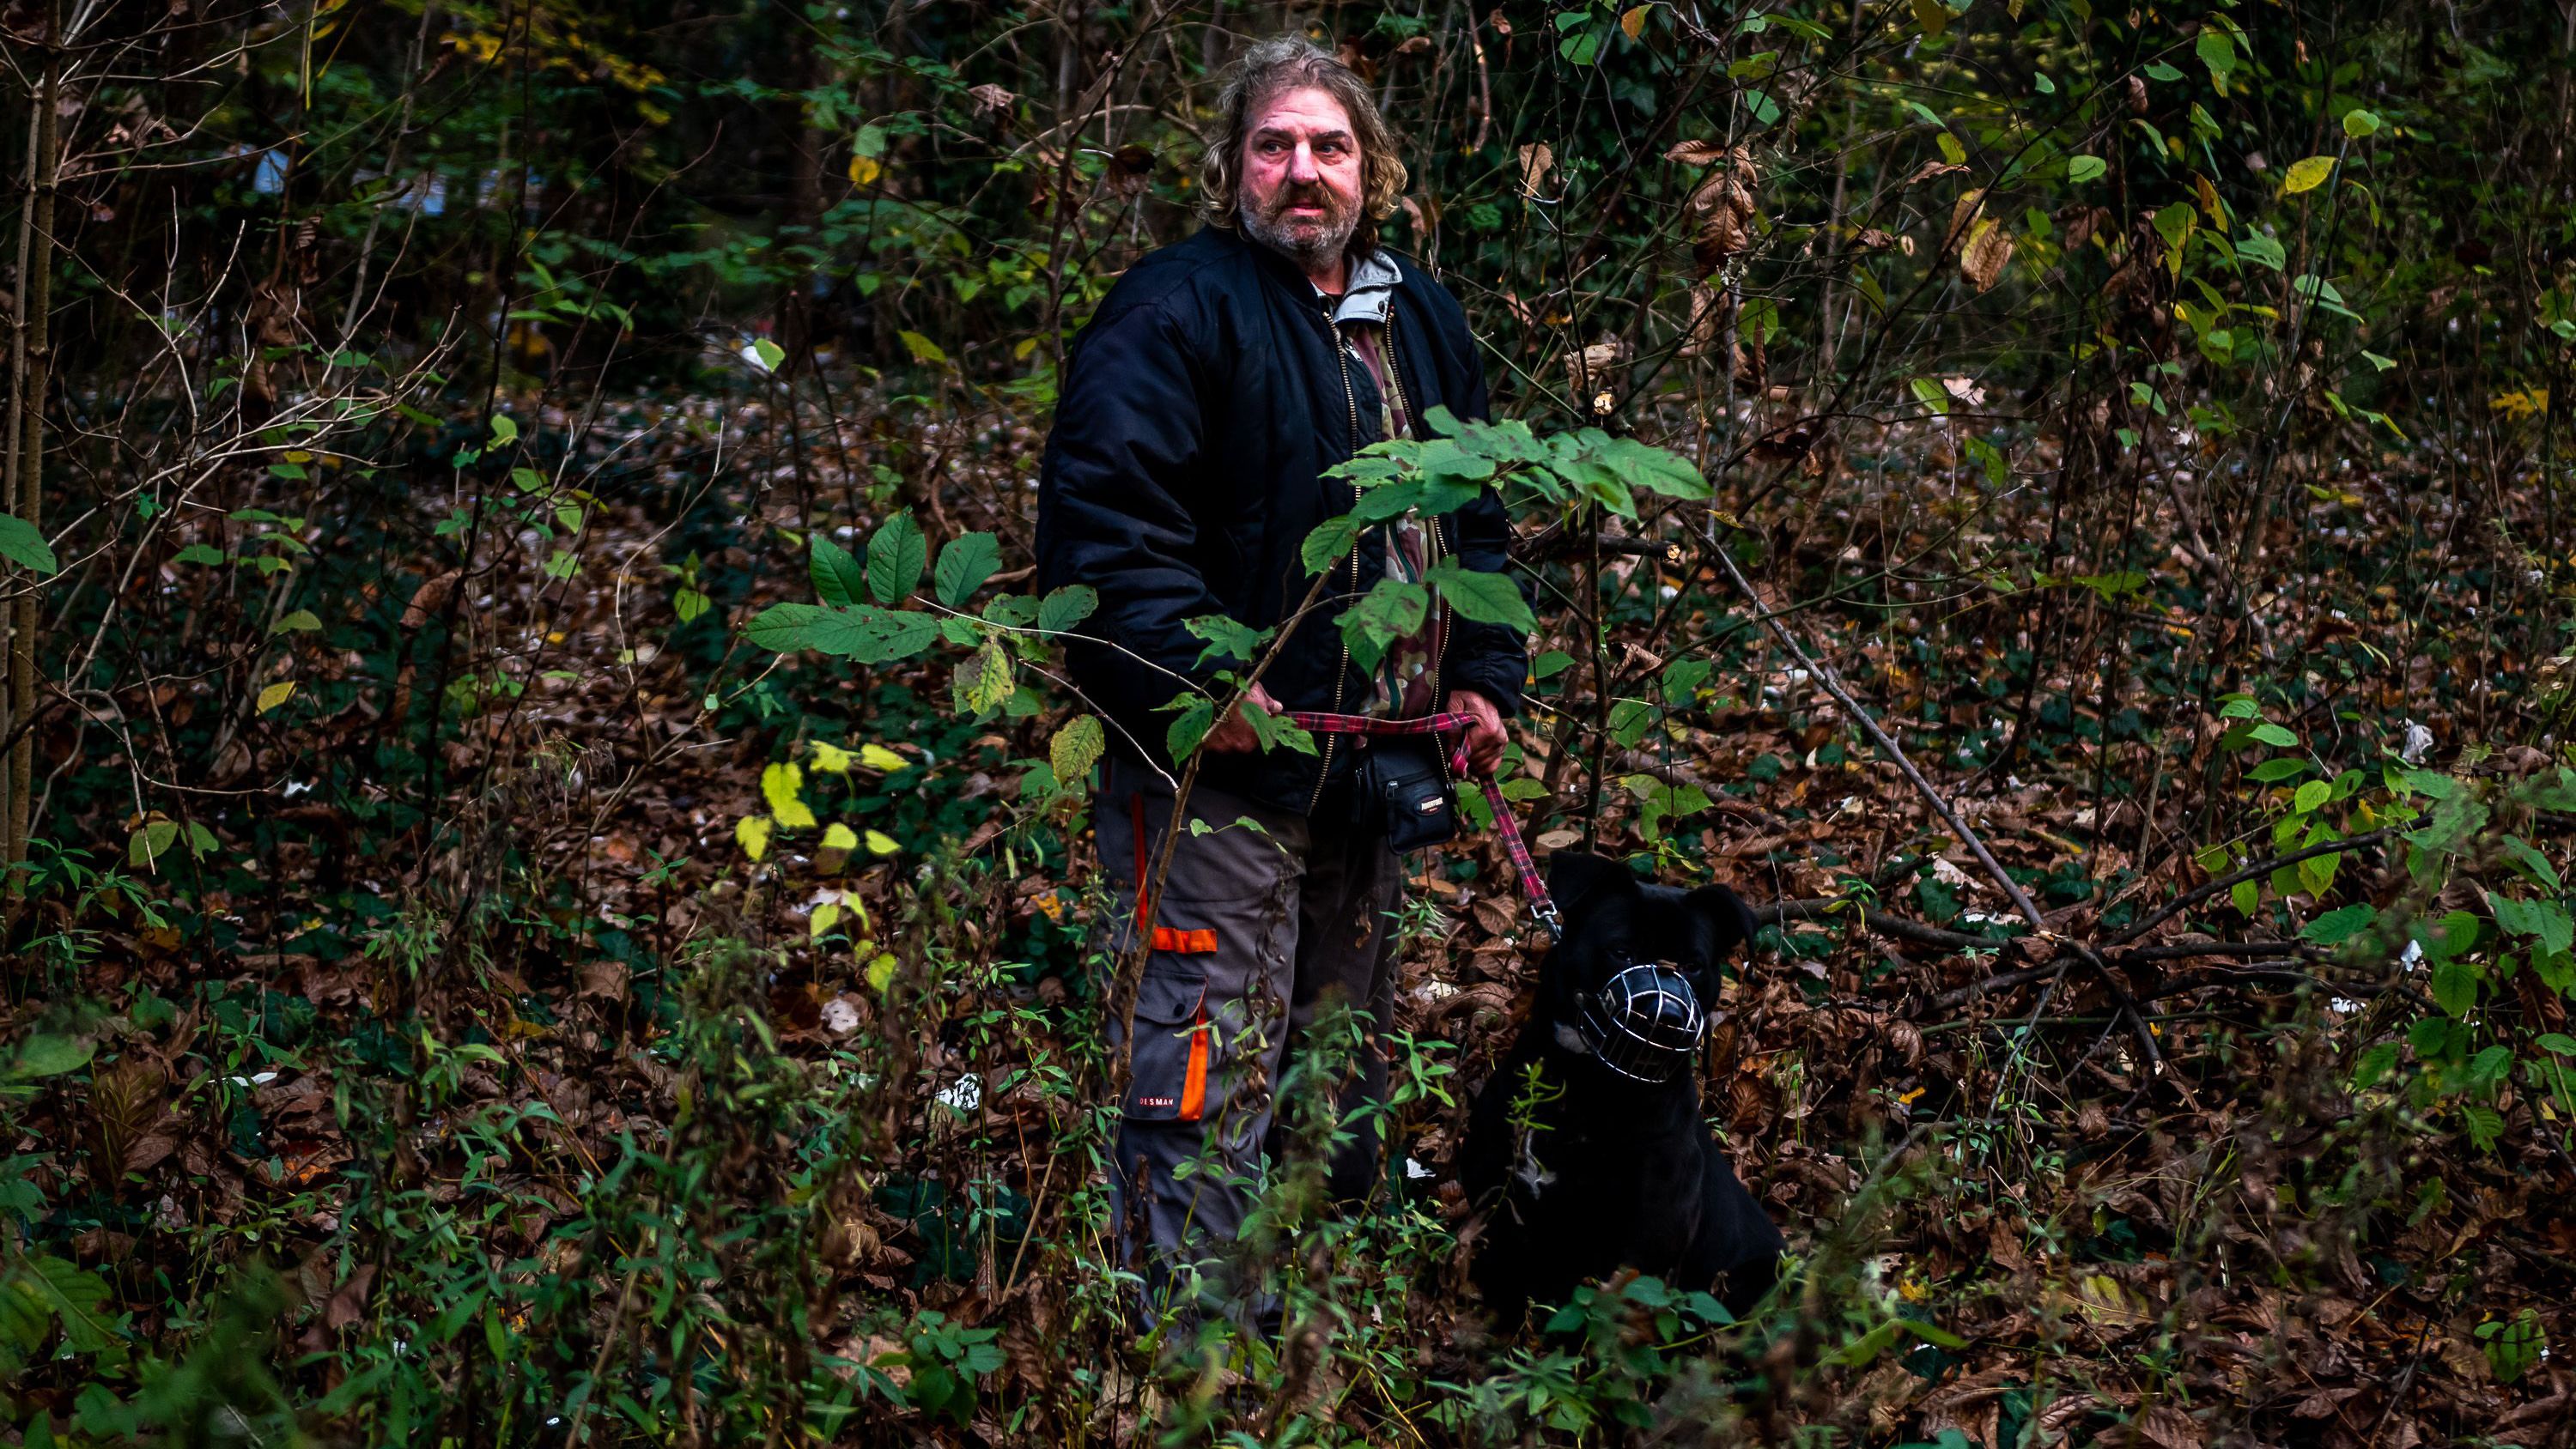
x,y
1634,21
878,757
881,843
779,785
881,972
1932,15
2307,175
826,916
864,170
752,833
275,695
837,836
831,759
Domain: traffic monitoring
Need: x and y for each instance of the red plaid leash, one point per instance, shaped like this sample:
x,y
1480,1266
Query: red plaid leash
x,y
1532,886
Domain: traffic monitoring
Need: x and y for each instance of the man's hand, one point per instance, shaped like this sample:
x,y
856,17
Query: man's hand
x,y
1485,736
1235,736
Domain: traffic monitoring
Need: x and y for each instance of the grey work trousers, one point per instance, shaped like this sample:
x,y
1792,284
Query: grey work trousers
x,y
1258,934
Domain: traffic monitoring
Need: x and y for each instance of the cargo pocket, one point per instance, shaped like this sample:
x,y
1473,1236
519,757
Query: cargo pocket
x,y
1168,1070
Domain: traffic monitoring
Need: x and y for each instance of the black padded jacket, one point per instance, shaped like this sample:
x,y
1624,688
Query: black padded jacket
x,y
1198,408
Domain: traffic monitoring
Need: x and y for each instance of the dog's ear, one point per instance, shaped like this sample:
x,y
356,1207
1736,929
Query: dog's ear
x,y
1721,920
1577,880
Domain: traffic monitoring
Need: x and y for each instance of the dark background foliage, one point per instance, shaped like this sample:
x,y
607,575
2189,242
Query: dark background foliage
x,y
464,984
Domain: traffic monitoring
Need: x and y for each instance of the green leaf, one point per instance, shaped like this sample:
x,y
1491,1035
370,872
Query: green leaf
x,y
1197,713
769,353
1550,664
1629,721
922,349
967,561
2311,795
2255,247
2217,50
149,841
2374,1065
2455,987
867,634
2339,925
1390,610
2277,769
2274,735
2307,174
2358,123
1483,598
1067,606
2557,1043
47,1054
301,621
2533,863
1331,542
838,579
22,545
1226,638
505,429
73,1296
2545,920
896,557
2080,169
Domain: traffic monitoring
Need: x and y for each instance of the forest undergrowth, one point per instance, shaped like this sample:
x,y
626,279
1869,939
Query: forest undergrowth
x,y
556,895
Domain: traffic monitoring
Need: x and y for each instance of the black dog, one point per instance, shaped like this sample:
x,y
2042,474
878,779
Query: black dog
x,y
1603,1161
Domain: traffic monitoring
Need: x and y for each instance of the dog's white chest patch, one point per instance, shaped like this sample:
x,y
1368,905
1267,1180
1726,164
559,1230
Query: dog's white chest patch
x,y
1533,1174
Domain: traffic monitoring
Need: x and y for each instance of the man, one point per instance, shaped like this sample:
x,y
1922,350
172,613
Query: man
x,y
1200,406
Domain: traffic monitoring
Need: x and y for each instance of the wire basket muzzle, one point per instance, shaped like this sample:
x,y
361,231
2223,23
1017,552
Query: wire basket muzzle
x,y
1645,1022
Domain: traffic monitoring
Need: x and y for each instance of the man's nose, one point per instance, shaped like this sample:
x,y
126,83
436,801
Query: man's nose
x,y
1301,164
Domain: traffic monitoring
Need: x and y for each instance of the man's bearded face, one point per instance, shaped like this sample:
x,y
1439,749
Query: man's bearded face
x,y
1302,177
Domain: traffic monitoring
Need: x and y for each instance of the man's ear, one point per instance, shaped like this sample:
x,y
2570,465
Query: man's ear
x,y
1577,880
1721,919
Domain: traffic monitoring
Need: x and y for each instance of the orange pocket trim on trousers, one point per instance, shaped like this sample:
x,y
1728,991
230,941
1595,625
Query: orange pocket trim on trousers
x,y
1184,943
1194,1087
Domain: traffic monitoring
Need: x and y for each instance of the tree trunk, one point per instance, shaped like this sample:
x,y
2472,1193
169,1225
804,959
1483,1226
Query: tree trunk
x,y
32,369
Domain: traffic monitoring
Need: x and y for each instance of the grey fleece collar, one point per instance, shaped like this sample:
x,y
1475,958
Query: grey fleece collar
x,y
1369,293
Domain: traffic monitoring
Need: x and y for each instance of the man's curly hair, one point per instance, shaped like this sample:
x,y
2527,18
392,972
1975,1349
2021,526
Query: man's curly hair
x,y
1291,62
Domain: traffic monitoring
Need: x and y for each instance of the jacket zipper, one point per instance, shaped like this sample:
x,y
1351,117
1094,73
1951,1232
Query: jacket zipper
x,y
1341,674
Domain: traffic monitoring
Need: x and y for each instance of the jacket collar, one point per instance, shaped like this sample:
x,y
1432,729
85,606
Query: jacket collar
x,y
1370,290
1366,297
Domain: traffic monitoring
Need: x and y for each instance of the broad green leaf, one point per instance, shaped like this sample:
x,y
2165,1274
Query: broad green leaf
x,y
2080,169
2217,50
839,837
505,429
1196,715
867,634
2255,247
2277,769
769,353
74,1295
1226,638
880,843
831,759
2274,735
1331,542
47,1054
878,757
2339,925
964,564
1390,610
896,557
2307,174
923,349
2311,795
1483,598
150,840
300,621
22,545
2358,123
2455,987
2557,1043
275,695
838,579
1067,606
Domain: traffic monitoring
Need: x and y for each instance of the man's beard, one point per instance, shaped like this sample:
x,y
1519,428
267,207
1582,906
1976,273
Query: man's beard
x,y
1308,243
